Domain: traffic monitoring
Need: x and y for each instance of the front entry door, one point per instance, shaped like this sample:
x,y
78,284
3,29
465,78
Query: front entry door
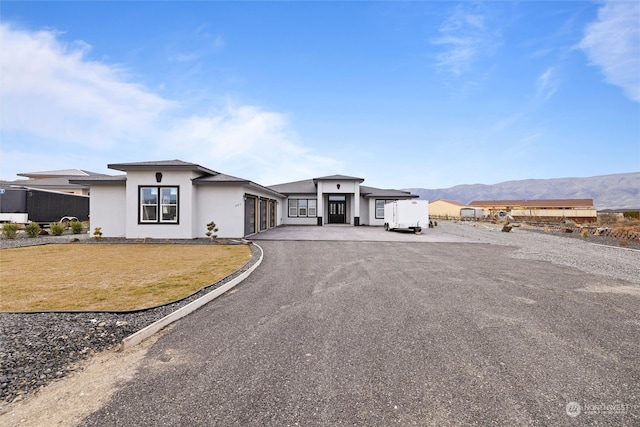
x,y
336,212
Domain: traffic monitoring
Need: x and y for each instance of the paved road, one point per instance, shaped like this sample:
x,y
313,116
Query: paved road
x,y
388,333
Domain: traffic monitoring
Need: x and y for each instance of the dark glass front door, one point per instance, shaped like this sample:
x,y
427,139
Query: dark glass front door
x,y
336,212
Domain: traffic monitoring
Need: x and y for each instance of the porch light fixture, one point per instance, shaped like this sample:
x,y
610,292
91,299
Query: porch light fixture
x,y
338,186
158,176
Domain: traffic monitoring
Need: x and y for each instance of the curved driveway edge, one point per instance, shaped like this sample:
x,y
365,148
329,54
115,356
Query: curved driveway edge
x,y
148,331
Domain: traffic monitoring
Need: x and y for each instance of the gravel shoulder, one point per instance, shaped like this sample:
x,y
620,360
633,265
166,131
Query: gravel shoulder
x,y
595,254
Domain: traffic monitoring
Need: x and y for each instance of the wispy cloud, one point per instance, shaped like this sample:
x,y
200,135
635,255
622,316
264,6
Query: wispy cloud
x,y
183,57
612,43
547,84
52,93
507,122
218,42
464,37
214,40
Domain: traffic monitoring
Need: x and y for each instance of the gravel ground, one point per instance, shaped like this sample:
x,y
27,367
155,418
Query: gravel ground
x,y
595,254
37,348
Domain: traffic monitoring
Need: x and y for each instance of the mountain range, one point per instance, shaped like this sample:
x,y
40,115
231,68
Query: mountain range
x,y
618,191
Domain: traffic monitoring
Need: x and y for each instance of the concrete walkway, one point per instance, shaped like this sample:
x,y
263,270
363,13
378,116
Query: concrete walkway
x,y
348,232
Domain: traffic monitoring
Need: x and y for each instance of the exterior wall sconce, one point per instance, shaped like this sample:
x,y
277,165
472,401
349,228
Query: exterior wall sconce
x,y
158,176
338,186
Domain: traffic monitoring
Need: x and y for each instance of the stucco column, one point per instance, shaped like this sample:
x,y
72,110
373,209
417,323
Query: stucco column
x,y
319,204
356,205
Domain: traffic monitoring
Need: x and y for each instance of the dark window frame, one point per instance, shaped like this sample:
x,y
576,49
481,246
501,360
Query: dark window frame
x,y
158,205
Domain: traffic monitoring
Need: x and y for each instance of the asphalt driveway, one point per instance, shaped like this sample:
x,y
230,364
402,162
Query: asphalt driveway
x,y
387,333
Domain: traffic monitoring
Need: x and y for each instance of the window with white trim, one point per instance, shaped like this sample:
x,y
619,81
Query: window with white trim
x,y
158,205
293,208
380,207
302,208
312,207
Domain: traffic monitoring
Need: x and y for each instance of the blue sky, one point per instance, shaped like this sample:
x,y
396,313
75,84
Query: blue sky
x,y
403,94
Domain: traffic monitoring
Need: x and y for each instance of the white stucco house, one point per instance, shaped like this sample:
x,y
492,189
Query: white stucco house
x,y
173,199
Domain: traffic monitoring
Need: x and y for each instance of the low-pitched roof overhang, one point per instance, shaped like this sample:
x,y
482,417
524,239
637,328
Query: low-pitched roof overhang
x,y
337,178
162,164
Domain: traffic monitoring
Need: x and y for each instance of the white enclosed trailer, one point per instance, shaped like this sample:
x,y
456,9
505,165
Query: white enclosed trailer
x,y
406,215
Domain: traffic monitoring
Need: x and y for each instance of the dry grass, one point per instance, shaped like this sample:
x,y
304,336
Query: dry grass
x,y
110,276
630,227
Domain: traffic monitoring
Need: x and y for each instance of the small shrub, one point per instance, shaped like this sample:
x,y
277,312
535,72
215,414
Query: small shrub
x,y
632,214
76,227
97,233
212,229
56,229
9,230
584,233
32,229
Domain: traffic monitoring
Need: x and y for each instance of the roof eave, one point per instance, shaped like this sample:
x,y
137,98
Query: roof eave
x,y
124,167
119,181
346,178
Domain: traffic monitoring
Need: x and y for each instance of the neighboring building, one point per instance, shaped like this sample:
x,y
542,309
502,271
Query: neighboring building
x,y
57,180
176,199
445,209
579,210
57,173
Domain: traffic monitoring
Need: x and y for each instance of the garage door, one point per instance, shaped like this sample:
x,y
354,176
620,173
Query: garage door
x,y
263,214
250,215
